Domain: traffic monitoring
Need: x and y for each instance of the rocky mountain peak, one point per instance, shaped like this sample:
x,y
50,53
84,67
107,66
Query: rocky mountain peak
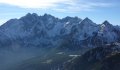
x,y
108,26
87,21
30,15
107,23
71,19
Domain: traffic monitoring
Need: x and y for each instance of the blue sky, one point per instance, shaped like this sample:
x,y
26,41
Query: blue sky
x,y
97,10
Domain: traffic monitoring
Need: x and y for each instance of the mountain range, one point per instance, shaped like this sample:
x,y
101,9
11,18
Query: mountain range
x,y
45,42
32,30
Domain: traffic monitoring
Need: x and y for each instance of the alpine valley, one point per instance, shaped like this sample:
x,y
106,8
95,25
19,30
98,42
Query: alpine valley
x,y
46,42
